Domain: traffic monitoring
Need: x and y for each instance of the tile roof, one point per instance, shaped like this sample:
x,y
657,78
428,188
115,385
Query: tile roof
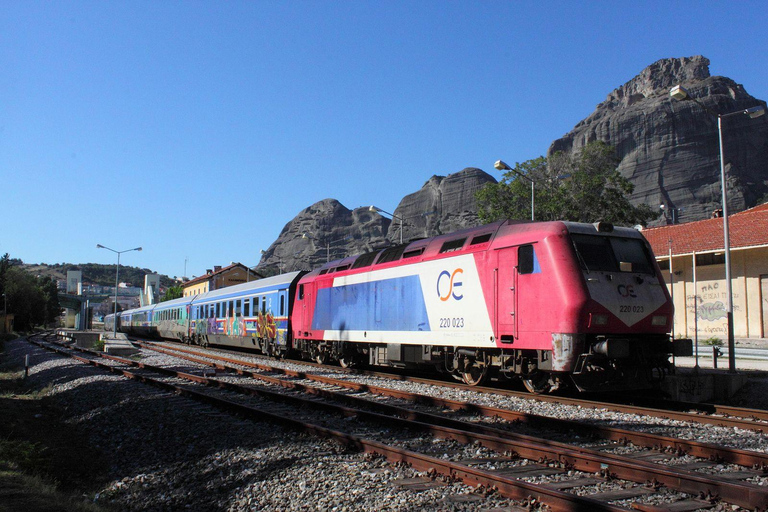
x,y
206,277
746,229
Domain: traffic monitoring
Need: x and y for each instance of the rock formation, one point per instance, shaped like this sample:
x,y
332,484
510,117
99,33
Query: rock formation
x,y
327,229
669,149
443,204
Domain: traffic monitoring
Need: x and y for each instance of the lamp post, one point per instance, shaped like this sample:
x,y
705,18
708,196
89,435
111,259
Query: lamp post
x,y
680,93
501,166
376,209
117,274
327,244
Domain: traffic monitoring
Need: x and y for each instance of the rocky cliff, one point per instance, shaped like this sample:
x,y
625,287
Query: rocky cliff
x,y
442,205
328,230
669,149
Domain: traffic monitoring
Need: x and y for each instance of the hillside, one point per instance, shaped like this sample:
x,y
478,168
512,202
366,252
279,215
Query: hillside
x,y
96,274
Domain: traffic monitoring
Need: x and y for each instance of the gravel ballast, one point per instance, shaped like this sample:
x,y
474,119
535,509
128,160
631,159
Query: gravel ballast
x,y
170,453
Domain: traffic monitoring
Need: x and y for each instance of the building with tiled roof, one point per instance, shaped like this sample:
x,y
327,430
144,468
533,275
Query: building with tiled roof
x,y
699,291
219,277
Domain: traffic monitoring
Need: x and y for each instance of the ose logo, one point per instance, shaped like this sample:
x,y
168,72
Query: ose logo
x,y
452,284
627,291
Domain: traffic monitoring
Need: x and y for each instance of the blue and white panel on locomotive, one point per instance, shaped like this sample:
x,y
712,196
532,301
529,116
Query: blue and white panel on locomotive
x,y
438,302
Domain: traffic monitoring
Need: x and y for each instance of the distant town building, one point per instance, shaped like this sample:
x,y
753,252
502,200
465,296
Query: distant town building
x,y
219,277
74,282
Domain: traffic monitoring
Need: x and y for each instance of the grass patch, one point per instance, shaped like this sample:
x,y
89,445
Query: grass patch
x,y
45,464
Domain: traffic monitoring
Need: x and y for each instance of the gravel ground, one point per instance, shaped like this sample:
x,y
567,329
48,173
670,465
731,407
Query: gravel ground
x,y
169,453
734,437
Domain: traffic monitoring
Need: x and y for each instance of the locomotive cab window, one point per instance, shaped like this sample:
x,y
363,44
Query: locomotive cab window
x,y
612,254
301,292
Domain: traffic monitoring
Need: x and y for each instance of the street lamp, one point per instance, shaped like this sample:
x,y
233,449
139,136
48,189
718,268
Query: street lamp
x,y
117,274
376,209
501,166
679,93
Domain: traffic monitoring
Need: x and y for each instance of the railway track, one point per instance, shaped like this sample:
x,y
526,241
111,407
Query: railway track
x,y
533,459
708,414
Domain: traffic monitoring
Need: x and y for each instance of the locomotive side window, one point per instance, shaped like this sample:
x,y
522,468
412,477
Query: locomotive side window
x,y
480,239
525,259
301,292
364,260
453,245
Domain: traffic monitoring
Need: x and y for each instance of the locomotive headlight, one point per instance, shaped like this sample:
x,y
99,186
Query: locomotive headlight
x,y
659,320
595,319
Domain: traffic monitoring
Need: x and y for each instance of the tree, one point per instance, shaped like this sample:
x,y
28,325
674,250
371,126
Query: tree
x,y
174,292
585,187
32,300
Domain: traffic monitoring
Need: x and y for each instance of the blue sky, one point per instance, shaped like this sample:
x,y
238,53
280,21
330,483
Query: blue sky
x,y
199,129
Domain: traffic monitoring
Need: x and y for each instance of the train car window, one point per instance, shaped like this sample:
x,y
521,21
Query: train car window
x,y
247,307
413,253
525,259
263,304
453,245
480,239
365,260
282,305
231,308
238,308
301,292
218,310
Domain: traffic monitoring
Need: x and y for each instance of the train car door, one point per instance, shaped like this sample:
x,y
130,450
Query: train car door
x,y
506,294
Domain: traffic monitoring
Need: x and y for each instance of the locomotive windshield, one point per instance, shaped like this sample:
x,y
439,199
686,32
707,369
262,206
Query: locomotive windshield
x,y
612,254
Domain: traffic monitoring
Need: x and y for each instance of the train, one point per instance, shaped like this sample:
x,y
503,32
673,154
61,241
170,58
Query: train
x,y
553,304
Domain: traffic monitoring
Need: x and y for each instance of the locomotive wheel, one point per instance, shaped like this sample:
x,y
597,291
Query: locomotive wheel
x,y
474,372
538,383
320,355
347,362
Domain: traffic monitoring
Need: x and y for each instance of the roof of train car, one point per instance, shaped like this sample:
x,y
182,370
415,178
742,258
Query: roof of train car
x,y
181,301
432,246
261,285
